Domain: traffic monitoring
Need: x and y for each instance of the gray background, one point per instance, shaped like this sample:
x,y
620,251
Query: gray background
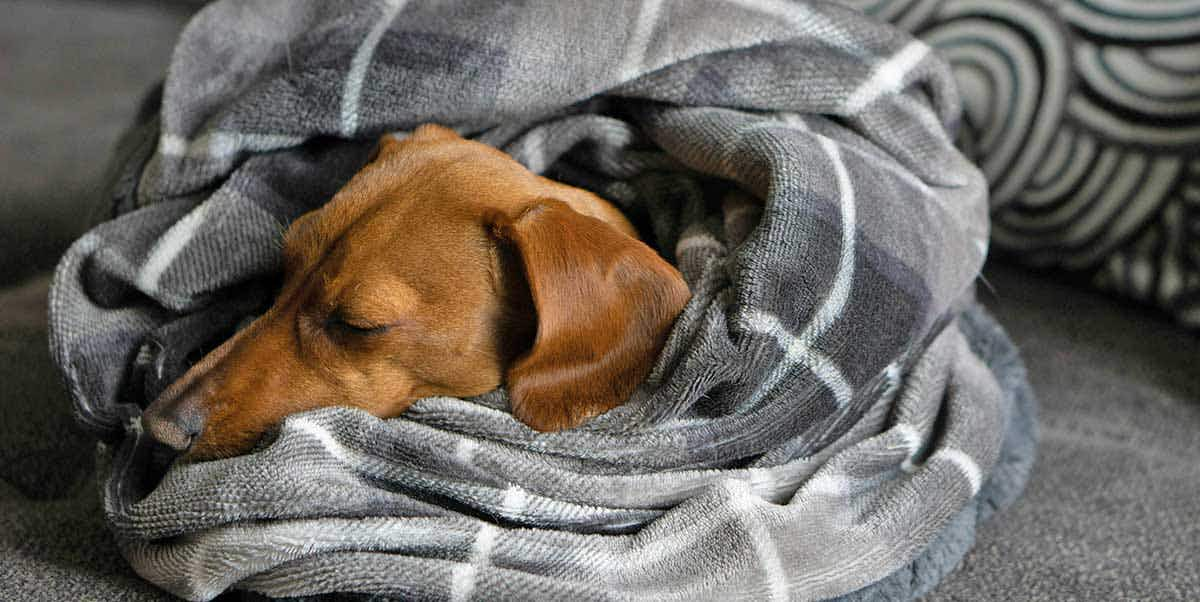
x,y
1110,512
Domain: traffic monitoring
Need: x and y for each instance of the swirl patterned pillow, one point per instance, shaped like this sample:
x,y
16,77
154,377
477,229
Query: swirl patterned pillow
x,y
1085,117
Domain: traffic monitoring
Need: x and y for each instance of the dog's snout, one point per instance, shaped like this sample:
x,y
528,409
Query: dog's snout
x,y
177,418
174,420
176,434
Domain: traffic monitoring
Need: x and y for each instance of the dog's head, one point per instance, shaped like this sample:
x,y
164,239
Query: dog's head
x,y
442,268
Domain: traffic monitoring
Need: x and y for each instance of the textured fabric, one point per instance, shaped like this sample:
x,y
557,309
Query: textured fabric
x,y
1110,511
815,423
70,81
1085,117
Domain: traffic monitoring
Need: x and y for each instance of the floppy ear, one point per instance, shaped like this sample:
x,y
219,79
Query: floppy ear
x,y
605,303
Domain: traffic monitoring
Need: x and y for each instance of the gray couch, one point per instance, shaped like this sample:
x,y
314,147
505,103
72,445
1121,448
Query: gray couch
x,y
1110,512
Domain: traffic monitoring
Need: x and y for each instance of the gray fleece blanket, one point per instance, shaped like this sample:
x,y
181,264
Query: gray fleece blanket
x,y
831,415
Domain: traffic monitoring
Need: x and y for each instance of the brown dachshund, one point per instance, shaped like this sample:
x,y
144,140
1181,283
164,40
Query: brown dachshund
x,y
443,267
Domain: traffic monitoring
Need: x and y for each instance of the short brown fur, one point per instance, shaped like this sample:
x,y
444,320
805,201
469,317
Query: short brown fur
x,y
442,268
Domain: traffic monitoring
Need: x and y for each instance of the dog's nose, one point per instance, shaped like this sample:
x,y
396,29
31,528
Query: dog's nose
x,y
179,414
177,435
173,422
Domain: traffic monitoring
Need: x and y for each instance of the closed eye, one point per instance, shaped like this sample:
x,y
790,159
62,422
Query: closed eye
x,y
340,323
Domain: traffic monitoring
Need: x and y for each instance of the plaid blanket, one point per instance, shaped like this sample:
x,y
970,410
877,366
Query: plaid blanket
x,y
831,415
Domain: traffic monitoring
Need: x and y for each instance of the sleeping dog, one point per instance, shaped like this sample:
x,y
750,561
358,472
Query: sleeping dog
x,y
443,267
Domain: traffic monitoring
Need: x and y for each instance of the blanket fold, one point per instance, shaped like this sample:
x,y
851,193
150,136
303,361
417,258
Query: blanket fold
x,y
831,412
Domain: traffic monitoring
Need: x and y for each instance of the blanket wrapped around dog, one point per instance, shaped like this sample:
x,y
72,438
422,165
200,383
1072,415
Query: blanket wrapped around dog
x,y
831,416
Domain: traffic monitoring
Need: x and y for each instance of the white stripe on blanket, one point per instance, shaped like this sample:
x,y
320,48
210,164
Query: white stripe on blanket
x,y
887,77
358,67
